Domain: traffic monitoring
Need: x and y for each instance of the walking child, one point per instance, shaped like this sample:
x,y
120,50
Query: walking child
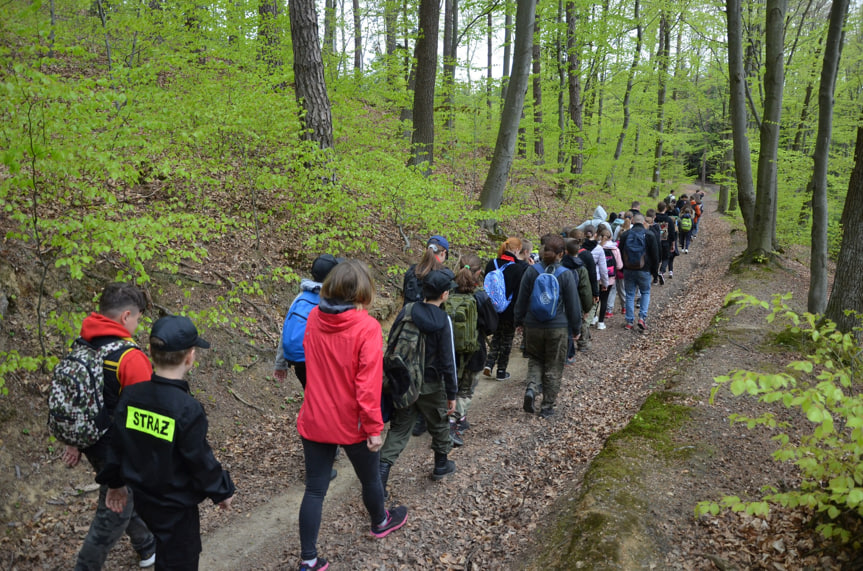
x,y
470,338
160,449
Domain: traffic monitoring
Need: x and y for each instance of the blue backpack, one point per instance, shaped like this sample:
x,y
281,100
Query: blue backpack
x,y
495,287
295,326
635,250
545,296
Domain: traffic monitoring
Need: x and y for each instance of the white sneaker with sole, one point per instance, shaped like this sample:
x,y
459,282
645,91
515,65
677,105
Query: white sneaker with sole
x,y
600,326
148,562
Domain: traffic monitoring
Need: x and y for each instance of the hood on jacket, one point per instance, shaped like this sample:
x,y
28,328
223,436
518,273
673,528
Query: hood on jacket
x,y
589,245
429,318
571,262
337,315
310,285
97,325
610,245
600,214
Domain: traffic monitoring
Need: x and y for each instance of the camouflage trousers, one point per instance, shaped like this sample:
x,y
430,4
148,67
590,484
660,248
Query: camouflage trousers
x,y
107,527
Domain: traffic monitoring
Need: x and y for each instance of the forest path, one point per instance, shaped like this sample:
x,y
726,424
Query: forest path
x,y
513,466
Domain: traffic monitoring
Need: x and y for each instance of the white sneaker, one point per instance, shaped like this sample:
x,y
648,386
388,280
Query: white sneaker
x,y
600,325
595,320
670,274
148,562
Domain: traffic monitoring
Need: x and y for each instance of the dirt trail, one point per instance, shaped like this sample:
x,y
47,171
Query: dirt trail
x,y
513,466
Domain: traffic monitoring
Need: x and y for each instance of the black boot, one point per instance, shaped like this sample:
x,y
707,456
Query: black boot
x,y
442,466
384,470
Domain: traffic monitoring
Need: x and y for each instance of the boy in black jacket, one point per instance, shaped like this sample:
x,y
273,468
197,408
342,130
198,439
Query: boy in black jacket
x,y
440,382
160,449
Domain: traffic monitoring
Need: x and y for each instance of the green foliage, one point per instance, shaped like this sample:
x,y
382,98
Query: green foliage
x,y
825,388
12,362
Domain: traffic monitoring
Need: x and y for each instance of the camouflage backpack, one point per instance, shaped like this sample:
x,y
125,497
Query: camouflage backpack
x,y
76,402
461,307
404,361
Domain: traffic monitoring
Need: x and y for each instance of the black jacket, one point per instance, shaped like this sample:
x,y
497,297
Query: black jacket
x,y
587,257
160,448
568,310
412,288
440,368
511,277
651,258
663,217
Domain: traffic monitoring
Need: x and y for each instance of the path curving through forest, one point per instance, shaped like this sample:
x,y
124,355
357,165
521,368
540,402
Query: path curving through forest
x,y
513,466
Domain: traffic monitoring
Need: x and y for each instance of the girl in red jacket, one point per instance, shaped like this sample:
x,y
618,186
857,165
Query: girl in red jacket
x,y
342,404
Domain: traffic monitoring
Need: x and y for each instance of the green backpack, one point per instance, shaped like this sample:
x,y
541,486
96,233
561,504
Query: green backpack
x,y
461,307
404,361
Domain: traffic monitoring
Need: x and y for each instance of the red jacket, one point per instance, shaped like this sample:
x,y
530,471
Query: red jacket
x,y
344,368
134,366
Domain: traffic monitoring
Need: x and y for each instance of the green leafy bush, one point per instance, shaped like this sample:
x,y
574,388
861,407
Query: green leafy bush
x,y
825,387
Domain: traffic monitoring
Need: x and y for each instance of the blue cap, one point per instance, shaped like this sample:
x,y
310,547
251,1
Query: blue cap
x,y
440,241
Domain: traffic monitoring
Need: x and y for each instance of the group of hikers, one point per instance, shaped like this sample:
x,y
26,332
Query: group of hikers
x,y
148,441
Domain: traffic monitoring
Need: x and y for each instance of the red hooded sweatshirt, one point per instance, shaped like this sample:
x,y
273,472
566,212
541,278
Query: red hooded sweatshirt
x,y
344,369
134,366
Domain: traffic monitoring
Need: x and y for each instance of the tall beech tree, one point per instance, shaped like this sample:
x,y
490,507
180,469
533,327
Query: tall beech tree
x,y
663,58
422,140
311,87
817,302
491,196
576,106
847,290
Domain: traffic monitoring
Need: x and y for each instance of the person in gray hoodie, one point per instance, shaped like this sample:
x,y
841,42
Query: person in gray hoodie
x,y
600,219
546,341
437,395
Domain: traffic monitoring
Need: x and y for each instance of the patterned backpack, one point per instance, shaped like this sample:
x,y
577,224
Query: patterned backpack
x,y
76,402
495,286
404,361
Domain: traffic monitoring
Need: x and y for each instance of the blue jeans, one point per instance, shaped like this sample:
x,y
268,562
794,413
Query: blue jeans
x,y
637,279
319,464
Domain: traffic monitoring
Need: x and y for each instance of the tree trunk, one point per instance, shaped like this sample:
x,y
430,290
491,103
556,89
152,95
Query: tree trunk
x,y
449,59
761,239
269,35
489,75
329,27
737,109
561,81
507,48
847,292
538,142
311,88
727,164
575,104
358,37
609,181
495,183
662,54
422,141
817,302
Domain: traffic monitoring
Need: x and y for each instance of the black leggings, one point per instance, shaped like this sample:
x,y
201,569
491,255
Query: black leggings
x,y
603,303
319,464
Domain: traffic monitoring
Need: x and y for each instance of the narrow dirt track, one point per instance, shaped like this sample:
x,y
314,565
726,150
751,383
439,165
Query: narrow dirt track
x,y
513,466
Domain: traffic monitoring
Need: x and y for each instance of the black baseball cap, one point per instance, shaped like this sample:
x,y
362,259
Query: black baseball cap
x,y
177,333
436,282
322,266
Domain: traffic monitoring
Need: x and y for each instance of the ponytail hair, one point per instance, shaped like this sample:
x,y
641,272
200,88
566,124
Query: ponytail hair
x,y
428,262
552,248
465,278
511,244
